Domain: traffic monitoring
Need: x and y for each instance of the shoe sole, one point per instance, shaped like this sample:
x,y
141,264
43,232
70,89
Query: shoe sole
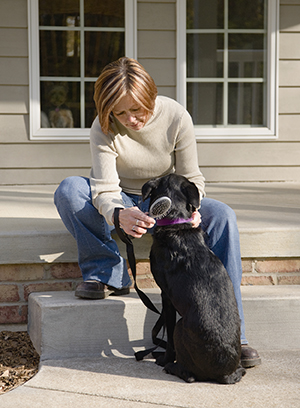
x,y
251,363
101,295
118,292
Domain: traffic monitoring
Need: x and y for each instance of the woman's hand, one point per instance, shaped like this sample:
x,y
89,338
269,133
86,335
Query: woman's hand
x,y
196,219
134,222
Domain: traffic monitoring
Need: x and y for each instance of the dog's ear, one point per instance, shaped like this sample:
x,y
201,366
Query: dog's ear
x,y
148,187
192,193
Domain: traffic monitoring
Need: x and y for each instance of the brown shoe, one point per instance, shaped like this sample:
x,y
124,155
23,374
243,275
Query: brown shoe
x,y
249,356
97,290
118,292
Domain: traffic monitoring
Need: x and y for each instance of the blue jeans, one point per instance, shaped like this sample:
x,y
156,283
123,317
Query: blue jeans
x,y
98,254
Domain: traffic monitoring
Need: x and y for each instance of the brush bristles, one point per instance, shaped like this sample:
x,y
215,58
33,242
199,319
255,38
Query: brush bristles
x,y
160,207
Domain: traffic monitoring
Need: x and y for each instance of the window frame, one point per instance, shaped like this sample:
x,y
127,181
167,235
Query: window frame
x,y
36,132
270,131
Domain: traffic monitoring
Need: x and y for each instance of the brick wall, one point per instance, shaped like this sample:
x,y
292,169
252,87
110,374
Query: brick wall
x,y
18,281
271,271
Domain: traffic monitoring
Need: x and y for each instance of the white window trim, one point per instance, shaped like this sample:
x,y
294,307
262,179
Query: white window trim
x,y
74,134
270,132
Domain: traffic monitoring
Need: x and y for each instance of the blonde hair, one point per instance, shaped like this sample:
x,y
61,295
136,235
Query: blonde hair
x,y
119,78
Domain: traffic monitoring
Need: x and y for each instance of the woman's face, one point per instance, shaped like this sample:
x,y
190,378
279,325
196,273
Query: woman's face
x,y
130,113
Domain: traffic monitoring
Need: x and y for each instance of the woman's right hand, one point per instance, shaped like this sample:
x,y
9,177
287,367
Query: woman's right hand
x,y
134,222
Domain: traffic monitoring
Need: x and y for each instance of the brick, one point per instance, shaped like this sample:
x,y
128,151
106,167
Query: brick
x,y
9,293
65,271
13,314
278,265
258,280
142,268
46,287
17,273
146,282
289,280
247,265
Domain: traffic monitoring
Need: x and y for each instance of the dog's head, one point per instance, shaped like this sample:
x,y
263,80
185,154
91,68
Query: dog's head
x,y
184,195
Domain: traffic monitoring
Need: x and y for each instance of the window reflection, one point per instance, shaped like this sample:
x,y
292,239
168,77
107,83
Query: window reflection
x,y
246,14
104,13
57,12
246,55
208,110
205,55
205,14
100,49
60,53
245,104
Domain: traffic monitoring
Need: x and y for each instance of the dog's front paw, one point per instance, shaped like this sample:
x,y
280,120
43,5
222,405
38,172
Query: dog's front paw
x,y
164,358
161,360
179,371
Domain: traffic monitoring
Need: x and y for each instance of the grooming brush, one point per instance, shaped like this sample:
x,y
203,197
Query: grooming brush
x,y
160,208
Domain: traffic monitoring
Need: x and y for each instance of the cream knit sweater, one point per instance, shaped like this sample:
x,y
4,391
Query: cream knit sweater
x,y
126,159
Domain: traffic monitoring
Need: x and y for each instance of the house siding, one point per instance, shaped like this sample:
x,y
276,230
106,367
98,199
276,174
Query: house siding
x,y
289,88
289,70
24,161
157,43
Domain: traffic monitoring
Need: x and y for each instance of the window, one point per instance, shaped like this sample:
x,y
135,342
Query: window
x,y
70,42
227,66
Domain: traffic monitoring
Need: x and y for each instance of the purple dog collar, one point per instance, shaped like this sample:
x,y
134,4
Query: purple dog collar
x,y
167,221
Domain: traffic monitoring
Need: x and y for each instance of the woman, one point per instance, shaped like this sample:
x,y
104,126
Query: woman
x,y
136,136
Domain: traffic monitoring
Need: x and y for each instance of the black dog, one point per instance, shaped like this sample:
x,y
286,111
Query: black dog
x,y
205,343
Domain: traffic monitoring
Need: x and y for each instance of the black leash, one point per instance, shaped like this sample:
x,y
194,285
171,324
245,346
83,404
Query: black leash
x,y
144,298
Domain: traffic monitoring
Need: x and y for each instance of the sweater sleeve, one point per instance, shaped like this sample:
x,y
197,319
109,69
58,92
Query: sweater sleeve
x,y
186,158
104,179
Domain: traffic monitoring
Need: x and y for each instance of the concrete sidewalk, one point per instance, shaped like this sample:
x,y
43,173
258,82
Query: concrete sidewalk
x,y
109,331
121,382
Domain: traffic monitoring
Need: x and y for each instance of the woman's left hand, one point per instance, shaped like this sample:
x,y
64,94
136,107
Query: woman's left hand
x,y
196,219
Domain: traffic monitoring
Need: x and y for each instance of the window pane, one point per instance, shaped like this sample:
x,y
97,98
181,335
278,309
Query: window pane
x,y
205,14
246,14
90,110
245,104
58,12
205,103
67,64
104,13
246,55
59,53
60,104
100,49
205,55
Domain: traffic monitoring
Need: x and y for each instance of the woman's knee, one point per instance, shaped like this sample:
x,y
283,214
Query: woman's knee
x,y
72,190
217,212
227,214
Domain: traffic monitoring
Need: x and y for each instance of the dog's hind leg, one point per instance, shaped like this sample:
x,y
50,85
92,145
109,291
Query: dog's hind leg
x,y
178,370
234,377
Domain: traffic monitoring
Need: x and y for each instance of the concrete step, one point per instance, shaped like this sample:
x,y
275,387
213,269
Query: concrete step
x,y
62,326
267,216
